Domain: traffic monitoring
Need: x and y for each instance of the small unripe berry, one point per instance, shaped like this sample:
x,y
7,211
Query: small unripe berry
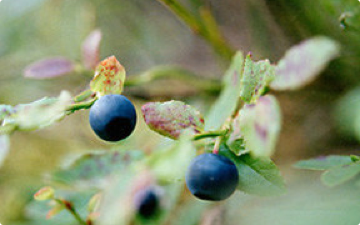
x,y
212,177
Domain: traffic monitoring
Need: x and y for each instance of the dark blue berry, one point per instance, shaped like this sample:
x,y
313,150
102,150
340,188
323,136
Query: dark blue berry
x,y
212,177
112,117
146,203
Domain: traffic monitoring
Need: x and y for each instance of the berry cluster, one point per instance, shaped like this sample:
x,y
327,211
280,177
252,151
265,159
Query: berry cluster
x,y
209,177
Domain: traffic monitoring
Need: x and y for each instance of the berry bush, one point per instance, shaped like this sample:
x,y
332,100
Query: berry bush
x,y
201,159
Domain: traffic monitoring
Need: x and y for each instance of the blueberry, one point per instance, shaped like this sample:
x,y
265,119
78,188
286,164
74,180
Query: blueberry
x,y
212,177
112,117
146,202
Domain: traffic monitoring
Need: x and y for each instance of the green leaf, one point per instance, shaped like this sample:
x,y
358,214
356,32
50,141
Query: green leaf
x,y
260,125
324,162
172,118
346,113
236,145
4,147
302,63
109,77
94,167
40,113
340,174
170,164
228,99
255,78
257,176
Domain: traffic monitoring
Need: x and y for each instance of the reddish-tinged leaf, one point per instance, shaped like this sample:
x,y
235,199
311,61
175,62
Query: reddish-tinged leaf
x,y
45,193
91,50
49,68
172,117
55,210
109,77
260,125
302,63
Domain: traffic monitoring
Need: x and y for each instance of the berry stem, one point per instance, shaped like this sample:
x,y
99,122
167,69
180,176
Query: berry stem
x,y
217,145
83,95
82,105
209,134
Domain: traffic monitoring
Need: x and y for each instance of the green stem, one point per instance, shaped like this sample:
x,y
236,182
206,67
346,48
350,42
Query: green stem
x,y
83,105
213,34
183,14
69,206
205,27
174,72
209,134
83,95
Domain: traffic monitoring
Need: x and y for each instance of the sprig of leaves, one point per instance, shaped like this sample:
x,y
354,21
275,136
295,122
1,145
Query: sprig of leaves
x,y
338,169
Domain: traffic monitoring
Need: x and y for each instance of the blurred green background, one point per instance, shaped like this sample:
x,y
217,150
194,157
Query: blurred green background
x,y
320,119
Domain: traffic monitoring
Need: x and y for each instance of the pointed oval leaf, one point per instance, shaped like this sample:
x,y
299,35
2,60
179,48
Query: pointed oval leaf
x,y
49,68
340,174
302,63
4,147
40,113
260,125
109,77
256,77
225,105
257,176
172,117
91,50
324,162
94,202
56,209
94,167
